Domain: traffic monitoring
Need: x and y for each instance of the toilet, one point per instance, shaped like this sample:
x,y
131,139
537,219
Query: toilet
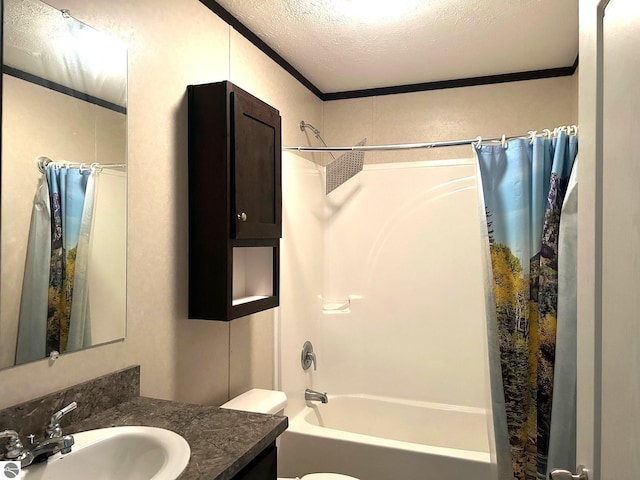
x,y
273,402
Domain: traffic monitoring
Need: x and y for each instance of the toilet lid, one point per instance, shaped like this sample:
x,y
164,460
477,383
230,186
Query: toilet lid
x,y
327,476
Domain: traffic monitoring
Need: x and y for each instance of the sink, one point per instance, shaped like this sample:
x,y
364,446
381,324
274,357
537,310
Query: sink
x,y
123,453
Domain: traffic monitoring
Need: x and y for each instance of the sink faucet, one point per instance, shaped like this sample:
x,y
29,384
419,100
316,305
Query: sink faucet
x,y
36,451
313,396
45,448
53,429
14,450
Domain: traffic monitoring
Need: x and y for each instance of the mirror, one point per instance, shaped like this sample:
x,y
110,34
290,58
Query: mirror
x,y
64,147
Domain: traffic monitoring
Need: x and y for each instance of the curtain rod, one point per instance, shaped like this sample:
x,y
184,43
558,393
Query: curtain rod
x,y
571,130
42,162
396,146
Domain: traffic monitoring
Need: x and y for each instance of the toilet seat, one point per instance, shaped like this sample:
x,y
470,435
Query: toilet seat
x,y
323,476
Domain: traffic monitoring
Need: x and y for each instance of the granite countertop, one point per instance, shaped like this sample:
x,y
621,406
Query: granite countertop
x,y
222,441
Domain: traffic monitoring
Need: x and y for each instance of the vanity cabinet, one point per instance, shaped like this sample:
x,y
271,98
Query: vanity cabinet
x,y
263,467
235,202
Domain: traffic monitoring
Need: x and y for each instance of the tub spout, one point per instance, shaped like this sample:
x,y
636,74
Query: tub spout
x,y
313,396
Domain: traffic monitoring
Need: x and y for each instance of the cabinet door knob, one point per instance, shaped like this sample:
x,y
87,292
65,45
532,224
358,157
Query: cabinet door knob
x,y
242,216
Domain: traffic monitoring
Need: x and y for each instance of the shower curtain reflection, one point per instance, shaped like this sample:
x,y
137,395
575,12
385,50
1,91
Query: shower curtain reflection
x,y
54,313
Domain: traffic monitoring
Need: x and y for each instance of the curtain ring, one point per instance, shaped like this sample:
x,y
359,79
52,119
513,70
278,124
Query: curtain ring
x,y
532,135
479,141
547,132
504,141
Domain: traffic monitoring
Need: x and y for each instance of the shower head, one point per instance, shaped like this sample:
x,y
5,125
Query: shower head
x,y
304,125
342,168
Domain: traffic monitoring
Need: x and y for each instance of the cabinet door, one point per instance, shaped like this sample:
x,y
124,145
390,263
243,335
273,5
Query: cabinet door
x,y
256,152
263,467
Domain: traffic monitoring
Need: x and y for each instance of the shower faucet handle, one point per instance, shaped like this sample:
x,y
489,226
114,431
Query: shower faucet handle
x,y
307,357
312,357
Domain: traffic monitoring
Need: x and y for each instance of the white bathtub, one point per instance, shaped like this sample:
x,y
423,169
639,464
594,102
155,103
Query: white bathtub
x,y
378,438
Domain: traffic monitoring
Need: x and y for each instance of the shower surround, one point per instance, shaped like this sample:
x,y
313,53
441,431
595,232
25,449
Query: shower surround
x,y
395,261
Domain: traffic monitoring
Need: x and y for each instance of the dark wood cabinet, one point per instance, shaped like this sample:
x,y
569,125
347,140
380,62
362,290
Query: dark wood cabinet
x,y
257,150
235,202
263,467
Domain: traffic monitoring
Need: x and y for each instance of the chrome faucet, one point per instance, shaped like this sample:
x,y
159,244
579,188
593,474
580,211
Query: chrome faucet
x,y
53,429
313,396
307,357
45,448
14,450
52,443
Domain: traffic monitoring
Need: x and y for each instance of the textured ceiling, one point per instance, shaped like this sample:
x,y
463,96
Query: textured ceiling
x,y
40,40
342,45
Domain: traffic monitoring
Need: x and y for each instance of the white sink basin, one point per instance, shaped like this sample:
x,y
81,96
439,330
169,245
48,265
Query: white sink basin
x,y
123,453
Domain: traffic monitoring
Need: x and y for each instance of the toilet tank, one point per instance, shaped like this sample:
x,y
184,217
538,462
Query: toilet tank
x,y
259,400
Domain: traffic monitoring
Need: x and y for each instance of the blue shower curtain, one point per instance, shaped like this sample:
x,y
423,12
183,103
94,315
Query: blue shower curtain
x,y
524,185
54,313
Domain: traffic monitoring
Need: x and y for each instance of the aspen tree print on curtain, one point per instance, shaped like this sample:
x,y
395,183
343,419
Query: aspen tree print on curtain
x,y
524,184
71,200
54,304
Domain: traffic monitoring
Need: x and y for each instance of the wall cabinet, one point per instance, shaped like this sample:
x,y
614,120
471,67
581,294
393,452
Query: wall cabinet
x,y
235,202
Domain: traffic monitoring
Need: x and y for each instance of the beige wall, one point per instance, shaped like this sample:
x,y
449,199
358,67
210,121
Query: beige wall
x,y
451,114
171,45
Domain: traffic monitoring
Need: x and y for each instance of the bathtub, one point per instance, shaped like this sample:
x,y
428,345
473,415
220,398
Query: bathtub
x,y
379,438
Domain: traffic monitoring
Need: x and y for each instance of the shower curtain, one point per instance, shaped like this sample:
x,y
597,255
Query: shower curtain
x,y
524,184
32,324
54,310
